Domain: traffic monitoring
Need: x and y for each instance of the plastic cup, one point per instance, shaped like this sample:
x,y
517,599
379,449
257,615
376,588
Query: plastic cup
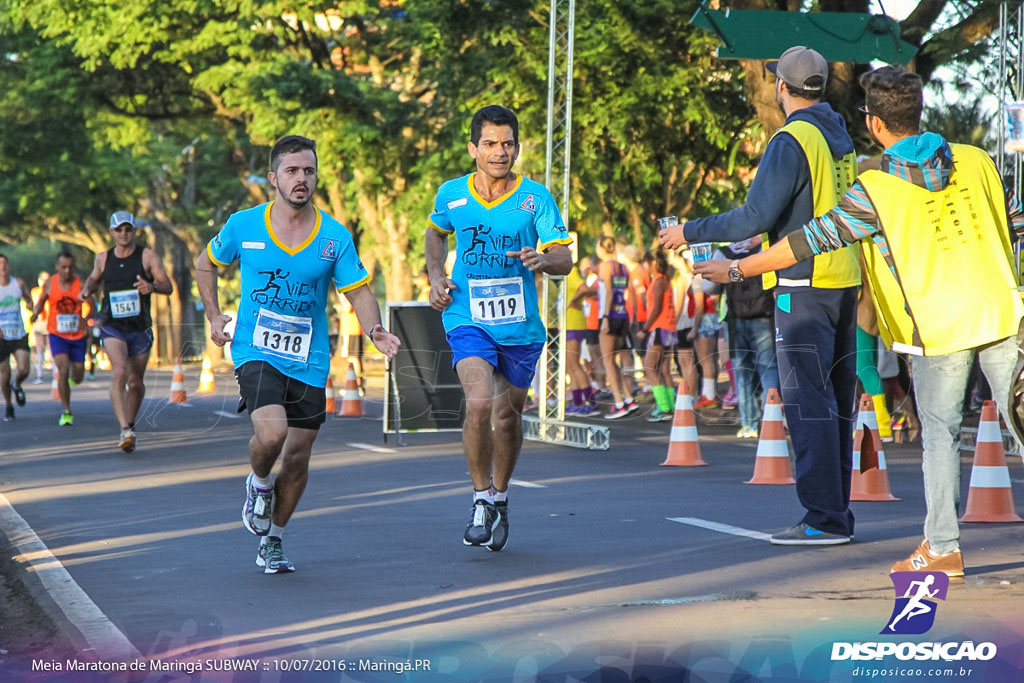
x,y
667,222
701,251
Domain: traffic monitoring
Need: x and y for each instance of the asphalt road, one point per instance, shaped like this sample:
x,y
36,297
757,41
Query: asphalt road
x,y
597,580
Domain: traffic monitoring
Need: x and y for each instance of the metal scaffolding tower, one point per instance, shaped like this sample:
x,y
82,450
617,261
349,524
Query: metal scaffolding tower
x,y
550,426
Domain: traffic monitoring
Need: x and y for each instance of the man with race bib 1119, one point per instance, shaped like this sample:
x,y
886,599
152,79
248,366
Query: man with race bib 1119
x,y
130,274
489,304
289,253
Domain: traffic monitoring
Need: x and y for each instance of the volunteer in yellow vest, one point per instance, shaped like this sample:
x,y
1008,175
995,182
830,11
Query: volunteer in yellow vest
x,y
67,327
932,213
806,168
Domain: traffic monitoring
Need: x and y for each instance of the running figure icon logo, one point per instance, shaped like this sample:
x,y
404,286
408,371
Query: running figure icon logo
x,y
916,593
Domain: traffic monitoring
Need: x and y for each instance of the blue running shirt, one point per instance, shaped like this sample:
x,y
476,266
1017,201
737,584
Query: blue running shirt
x,y
281,315
496,292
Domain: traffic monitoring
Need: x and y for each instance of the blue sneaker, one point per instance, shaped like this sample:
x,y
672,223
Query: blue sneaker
x,y
802,534
259,505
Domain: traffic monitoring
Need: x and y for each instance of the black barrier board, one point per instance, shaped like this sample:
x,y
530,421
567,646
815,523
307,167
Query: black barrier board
x,y
422,390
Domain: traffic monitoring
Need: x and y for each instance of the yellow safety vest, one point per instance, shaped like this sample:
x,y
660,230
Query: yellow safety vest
x,y
948,283
830,179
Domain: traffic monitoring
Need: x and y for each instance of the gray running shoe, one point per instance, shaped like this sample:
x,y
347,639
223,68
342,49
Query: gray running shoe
x,y
127,442
271,557
259,505
499,535
802,534
481,524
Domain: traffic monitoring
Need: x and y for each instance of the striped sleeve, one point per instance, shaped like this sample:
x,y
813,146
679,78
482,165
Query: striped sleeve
x,y
853,220
1014,213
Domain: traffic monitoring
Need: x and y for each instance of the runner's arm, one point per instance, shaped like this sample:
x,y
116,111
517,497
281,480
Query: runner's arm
x,y
436,248
368,311
154,266
206,282
37,308
92,282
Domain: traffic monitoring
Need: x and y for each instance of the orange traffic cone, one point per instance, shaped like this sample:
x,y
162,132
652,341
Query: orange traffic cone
x,y
178,385
771,465
54,391
351,403
207,384
869,480
990,498
332,405
683,449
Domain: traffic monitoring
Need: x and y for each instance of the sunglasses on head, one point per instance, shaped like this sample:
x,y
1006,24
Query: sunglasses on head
x,y
123,228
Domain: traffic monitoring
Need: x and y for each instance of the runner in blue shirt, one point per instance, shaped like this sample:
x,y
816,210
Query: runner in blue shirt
x,y
489,304
289,251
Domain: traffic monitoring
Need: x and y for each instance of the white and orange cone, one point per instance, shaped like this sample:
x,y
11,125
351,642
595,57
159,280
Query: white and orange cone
x,y
207,383
869,480
178,385
990,498
54,391
683,448
351,402
332,405
771,465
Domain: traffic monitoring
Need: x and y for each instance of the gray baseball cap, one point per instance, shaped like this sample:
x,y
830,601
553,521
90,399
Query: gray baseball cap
x,y
119,218
801,67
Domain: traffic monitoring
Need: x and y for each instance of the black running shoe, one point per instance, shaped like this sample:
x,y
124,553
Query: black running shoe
x,y
499,536
271,557
9,415
19,393
481,524
803,534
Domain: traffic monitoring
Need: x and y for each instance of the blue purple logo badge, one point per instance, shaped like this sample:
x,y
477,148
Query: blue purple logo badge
x,y
916,595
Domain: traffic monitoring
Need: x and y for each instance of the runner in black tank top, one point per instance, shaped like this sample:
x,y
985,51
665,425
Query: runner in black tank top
x,y
119,276
130,273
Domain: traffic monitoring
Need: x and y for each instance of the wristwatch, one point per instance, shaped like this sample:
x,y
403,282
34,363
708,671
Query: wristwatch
x,y
735,274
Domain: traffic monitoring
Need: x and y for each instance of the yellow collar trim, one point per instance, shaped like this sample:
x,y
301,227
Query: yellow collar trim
x,y
281,245
499,200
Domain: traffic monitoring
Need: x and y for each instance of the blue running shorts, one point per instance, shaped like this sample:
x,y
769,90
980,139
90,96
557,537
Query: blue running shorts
x,y
517,363
74,348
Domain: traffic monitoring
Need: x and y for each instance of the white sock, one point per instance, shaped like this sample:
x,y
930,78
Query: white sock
x,y
501,496
275,530
487,494
264,483
708,388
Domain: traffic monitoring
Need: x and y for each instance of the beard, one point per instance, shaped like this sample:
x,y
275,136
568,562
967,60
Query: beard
x,y
290,199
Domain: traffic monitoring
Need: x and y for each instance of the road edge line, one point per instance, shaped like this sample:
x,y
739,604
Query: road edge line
x,y
71,607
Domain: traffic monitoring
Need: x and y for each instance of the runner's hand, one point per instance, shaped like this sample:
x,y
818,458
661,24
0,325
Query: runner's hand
x,y
386,342
440,298
531,258
143,286
217,333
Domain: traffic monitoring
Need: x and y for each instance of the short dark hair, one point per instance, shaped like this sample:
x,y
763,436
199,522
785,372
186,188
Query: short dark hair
x,y
895,95
4,257
290,144
805,93
65,254
494,114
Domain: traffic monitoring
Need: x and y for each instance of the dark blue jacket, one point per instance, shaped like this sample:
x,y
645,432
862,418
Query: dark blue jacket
x,y
780,199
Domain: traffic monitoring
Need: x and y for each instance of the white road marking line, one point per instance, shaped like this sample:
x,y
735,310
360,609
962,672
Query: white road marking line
x,y
224,413
526,484
105,639
375,449
724,528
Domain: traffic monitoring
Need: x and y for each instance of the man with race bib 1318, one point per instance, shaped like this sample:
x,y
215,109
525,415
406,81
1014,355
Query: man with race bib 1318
x,y
130,273
289,252
490,307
